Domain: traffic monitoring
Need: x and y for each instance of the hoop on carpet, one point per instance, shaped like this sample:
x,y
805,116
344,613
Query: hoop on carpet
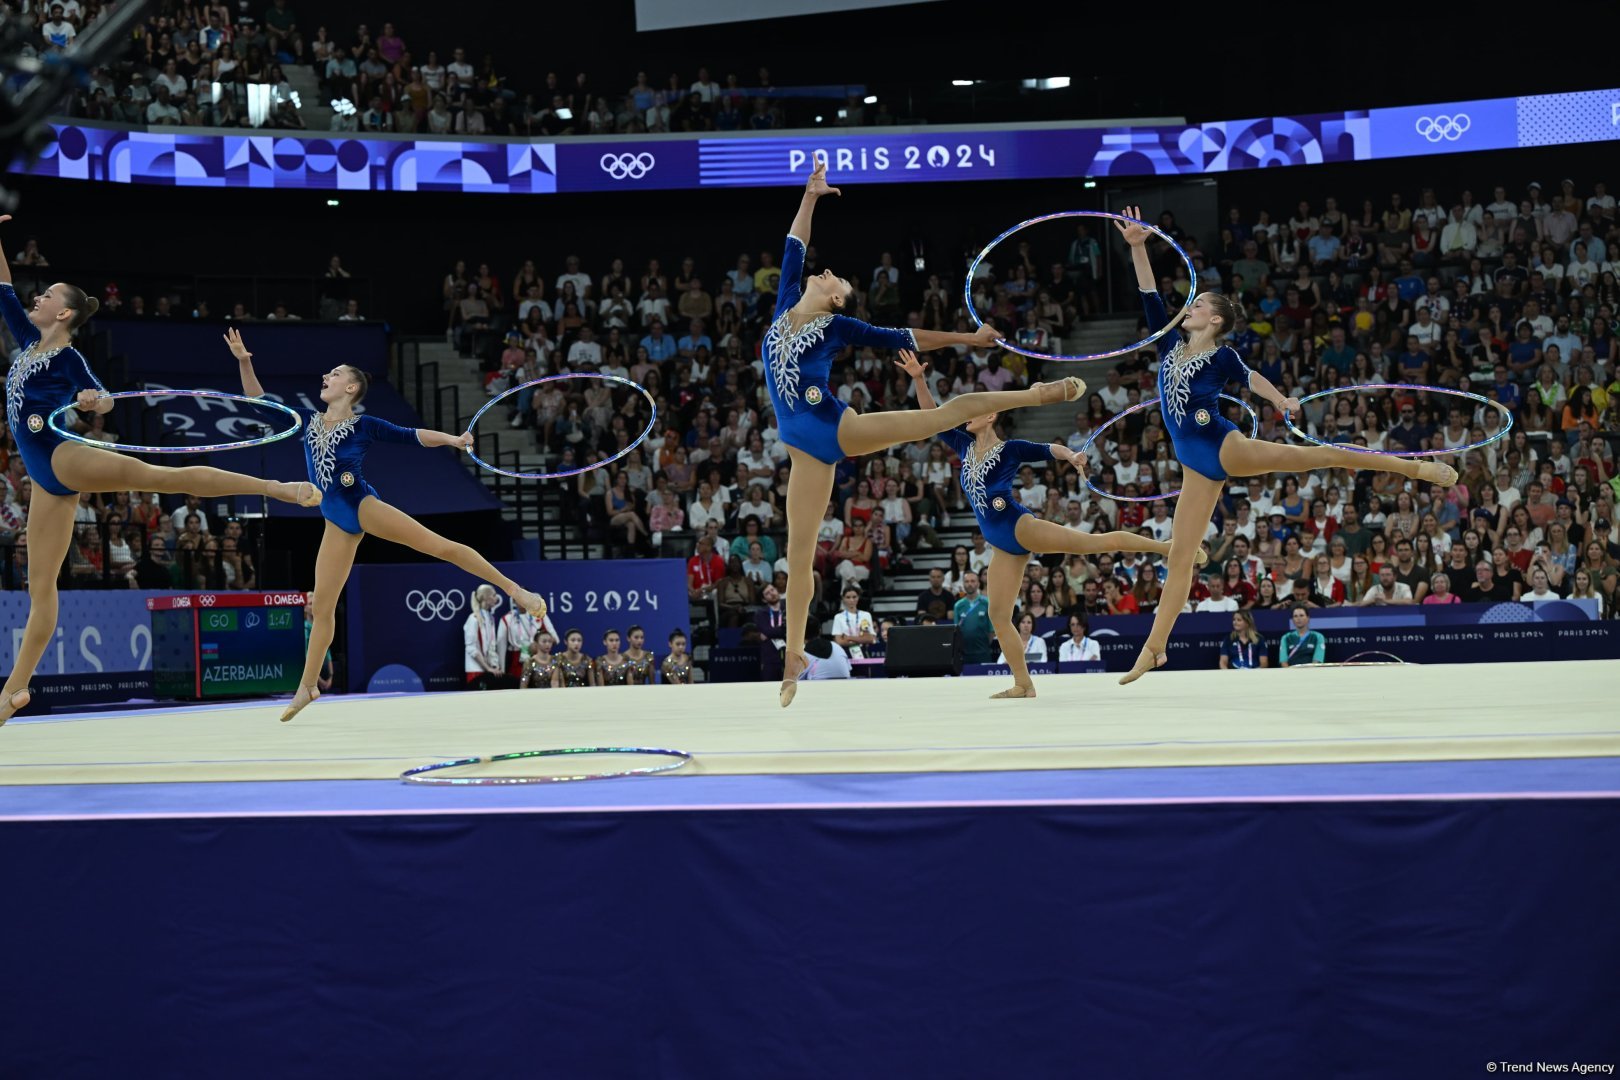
x,y
418,774
1357,661
73,436
490,404
1254,432
967,288
1507,414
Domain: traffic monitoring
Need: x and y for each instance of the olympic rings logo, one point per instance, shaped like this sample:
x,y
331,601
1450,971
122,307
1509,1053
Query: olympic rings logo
x,y
1450,128
435,603
628,166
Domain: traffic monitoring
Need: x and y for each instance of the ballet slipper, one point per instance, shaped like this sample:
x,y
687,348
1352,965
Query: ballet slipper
x,y
1070,389
305,695
790,677
530,604
1437,472
1142,669
1015,692
12,706
1201,557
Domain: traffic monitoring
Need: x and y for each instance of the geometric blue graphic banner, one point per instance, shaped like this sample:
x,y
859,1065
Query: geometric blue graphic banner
x,y
893,155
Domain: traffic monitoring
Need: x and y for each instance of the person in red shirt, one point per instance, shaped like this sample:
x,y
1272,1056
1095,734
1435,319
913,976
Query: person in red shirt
x,y
1118,600
1238,586
704,570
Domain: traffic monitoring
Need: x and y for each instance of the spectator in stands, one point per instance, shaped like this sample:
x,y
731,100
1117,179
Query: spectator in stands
x,y
735,593
1301,645
1440,590
935,595
1033,648
852,559
704,571
1217,600
972,616
1079,646
853,628
1387,590
1245,648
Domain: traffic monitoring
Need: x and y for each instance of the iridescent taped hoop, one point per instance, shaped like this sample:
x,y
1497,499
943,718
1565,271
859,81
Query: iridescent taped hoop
x,y
1012,346
490,404
419,775
1254,431
276,406
1507,415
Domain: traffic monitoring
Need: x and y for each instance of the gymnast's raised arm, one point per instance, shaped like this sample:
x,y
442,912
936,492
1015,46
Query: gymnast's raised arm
x,y
1136,236
244,363
814,189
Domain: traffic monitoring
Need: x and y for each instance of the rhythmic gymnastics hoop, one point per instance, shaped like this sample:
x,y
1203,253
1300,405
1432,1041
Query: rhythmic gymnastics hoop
x,y
1507,414
1254,432
567,472
419,775
1356,661
967,288
73,436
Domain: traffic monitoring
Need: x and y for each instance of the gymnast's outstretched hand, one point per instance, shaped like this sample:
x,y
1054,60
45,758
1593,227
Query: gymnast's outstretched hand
x,y
1134,234
909,364
987,335
1060,452
817,184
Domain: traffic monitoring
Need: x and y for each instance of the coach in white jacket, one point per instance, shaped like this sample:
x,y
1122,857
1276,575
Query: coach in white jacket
x,y
484,643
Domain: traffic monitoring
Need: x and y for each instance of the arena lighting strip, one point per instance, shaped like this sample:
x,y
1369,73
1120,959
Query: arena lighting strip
x,y
202,158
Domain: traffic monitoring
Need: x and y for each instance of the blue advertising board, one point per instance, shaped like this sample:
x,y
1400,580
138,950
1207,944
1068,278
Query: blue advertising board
x,y
412,615
302,161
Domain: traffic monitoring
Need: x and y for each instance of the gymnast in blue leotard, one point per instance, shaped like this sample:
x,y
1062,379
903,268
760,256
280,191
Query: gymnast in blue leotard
x,y
47,374
335,445
811,326
989,464
1192,372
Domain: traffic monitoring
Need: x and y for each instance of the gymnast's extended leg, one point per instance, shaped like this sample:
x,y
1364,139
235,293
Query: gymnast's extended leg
x,y
50,531
84,468
332,564
1243,456
810,484
867,433
1199,494
1003,576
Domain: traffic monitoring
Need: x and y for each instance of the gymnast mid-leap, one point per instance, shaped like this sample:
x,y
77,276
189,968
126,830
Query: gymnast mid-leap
x,y
989,464
47,374
1192,373
335,444
808,331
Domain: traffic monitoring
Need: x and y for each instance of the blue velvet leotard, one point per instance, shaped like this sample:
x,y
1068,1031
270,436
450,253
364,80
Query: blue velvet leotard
x,y
1189,394
988,481
798,362
37,385
334,456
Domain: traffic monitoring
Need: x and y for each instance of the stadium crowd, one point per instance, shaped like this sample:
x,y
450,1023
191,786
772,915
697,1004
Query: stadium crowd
x,y
197,64
1509,299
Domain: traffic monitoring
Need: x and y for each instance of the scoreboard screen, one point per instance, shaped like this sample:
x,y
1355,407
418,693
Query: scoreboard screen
x,y
226,644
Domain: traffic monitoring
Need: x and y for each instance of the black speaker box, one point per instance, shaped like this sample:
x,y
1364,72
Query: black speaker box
x,y
923,650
